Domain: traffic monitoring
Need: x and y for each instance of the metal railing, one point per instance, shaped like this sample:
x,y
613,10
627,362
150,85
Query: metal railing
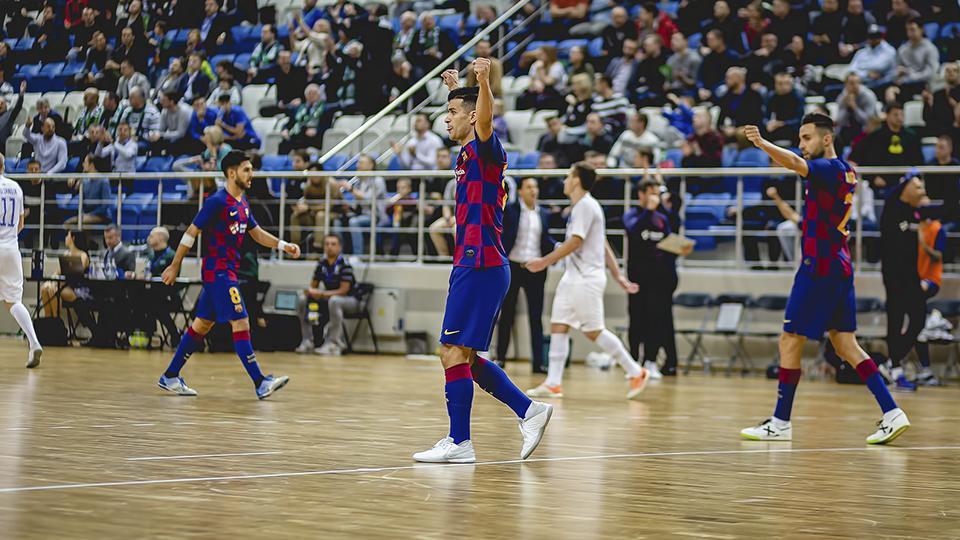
x,y
384,241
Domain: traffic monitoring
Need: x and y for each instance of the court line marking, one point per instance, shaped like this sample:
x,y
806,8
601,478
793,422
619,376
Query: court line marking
x,y
295,474
158,458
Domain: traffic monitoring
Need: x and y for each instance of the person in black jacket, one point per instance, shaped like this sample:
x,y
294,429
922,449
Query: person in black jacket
x,y
654,270
215,27
525,237
899,227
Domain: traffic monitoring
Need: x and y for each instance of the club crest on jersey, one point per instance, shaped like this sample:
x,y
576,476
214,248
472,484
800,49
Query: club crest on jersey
x,y
238,228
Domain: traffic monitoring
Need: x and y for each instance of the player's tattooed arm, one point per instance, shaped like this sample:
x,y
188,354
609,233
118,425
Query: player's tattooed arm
x,y
783,157
266,239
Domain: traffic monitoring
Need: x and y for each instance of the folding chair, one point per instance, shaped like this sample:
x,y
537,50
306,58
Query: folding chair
x,y
950,309
729,322
768,304
363,314
694,334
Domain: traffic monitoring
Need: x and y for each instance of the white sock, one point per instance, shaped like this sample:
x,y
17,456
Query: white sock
x,y
780,424
20,313
896,372
612,345
559,350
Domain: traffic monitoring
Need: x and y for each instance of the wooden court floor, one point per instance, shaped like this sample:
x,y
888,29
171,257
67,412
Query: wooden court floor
x,y
90,448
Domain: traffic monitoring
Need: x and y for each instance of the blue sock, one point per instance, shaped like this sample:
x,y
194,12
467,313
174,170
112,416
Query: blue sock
x,y
190,343
870,375
459,390
495,382
244,349
923,354
789,378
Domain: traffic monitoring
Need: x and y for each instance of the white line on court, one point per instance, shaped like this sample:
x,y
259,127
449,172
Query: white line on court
x,y
157,458
295,474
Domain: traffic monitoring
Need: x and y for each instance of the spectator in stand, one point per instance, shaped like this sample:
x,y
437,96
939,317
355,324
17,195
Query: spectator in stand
x,y
740,106
53,294
7,61
171,137
309,212
264,55
704,147
549,142
653,20
755,25
620,68
51,42
728,24
646,84
856,24
826,29
431,45
620,29
579,105
612,107
499,122
95,63
215,28
420,151
579,63
896,21
786,22
597,138
203,116
954,130
311,44
403,40
402,211
196,82
172,79
638,138
237,129
855,105
684,65
207,161
128,49
763,64
130,79
483,50
193,44
364,190
143,118
566,14
877,62
893,145
8,115
714,65
938,106
917,60
135,19
946,186
445,226
799,60
97,198
83,35
680,116
306,127
49,148
44,111
548,78
783,111
290,81
89,116
226,86
113,111
121,152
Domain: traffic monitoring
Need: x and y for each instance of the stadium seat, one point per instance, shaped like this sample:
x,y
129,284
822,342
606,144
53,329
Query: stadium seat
x,y
517,121
276,163
928,152
250,97
145,185
595,48
335,162
728,156
158,164
242,61
913,114
528,160
751,157
674,155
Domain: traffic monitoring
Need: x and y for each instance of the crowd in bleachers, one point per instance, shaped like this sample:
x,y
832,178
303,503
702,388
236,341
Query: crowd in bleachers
x,y
150,85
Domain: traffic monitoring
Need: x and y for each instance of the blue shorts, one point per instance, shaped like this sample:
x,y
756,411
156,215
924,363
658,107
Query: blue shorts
x,y
818,304
221,301
473,305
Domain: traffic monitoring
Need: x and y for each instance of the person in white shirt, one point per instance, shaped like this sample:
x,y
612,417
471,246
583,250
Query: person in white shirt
x,y
11,265
420,152
122,151
578,301
631,142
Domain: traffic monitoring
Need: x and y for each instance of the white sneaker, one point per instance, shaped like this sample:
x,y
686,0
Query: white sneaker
x,y
176,385
768,430
329,349
447,452
654,370
532,428
305,347
891,425
33,358
544,391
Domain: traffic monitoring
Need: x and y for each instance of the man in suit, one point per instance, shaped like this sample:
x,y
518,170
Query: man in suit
x,y
525,237
124,259
214,28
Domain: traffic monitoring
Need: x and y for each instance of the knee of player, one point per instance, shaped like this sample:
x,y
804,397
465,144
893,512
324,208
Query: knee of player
x,y
202,326
791,339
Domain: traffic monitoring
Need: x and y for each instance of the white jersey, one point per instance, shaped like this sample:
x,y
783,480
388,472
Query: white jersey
x,y
11,208
587,263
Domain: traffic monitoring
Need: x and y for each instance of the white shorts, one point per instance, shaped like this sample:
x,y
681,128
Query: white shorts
x,y
579,304
11,276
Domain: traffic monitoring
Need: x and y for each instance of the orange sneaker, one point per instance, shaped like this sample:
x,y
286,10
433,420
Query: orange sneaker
x,y
638,383
544,391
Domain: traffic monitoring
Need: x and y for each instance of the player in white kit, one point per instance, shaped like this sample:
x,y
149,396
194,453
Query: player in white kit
x,y
578,301
11,266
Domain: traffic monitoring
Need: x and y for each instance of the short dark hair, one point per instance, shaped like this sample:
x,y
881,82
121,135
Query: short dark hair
x,y
223,98
469,96
333,235
200,97
524,181
112,227
606,79
302,154
892,105
945,137
586,174
232,160
819,120
172,95
647,184
650,7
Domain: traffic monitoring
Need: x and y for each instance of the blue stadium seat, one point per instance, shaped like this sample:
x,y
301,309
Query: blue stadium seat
x,y
134,204
73,164
513,157
274,162
173,185
216,59
24,44
242,60
728,156
564,46
28,71
694,40
670,8
595,49
145,185
751,157
141,163
20,166
931,30
335,162
675,155
71,69
450,22
394,164
51,70
528,160
157,164
928,152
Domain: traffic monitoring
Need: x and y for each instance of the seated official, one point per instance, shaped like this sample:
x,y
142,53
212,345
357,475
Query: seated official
x,y
334,300
77,246
158,300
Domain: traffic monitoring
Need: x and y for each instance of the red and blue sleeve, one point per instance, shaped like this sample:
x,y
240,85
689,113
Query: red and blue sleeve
x,y
210,209
491,149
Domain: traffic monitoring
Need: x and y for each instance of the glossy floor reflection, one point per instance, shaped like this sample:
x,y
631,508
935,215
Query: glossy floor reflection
x,y
91,448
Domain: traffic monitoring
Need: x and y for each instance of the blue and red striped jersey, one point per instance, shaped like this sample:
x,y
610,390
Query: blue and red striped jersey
x,y
481,196
224,221
827,206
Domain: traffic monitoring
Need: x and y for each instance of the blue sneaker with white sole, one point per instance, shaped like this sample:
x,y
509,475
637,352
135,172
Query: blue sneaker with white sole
x,y
905,385
176,385
271,384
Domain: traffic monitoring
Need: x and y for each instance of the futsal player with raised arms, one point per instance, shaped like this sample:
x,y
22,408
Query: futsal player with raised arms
x,y
822,299
480,276
578,301
224,219
11,264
